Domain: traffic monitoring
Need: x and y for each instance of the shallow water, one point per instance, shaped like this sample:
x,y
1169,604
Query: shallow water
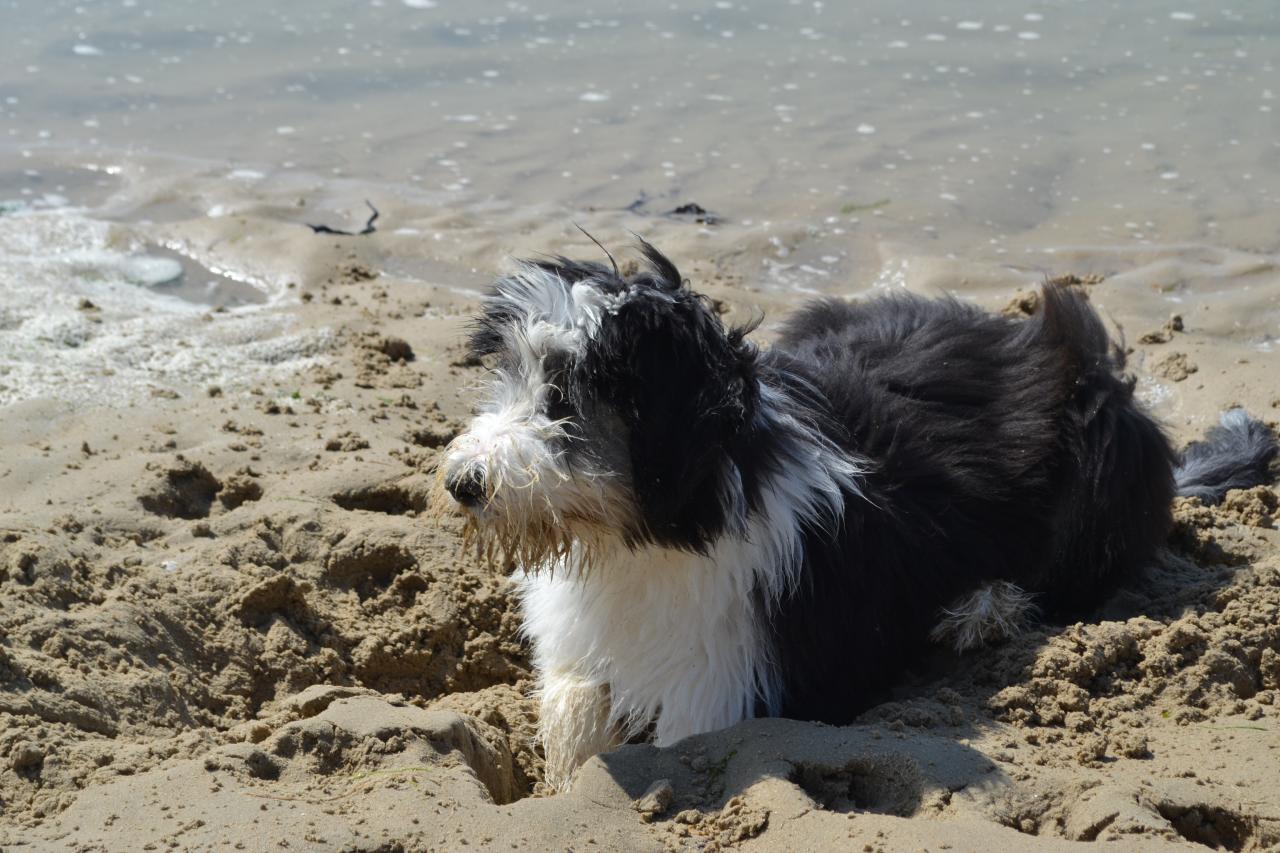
x,y
961,146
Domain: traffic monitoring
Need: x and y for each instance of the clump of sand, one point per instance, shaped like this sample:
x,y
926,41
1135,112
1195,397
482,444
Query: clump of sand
x,y
229,620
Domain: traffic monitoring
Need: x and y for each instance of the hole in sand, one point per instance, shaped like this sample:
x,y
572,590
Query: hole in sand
x,y
1212,826
388,498
434,436
880,784
369,568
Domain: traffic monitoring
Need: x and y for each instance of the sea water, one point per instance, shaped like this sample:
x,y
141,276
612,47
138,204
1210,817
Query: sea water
x,y
844,147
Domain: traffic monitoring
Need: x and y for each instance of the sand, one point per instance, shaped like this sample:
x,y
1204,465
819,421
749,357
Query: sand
x,y
228,620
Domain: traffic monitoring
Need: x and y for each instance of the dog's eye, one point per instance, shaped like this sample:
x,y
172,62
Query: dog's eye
x,y
557,406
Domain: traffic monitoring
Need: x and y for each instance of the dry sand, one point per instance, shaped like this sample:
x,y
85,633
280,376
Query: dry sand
x,y
228,622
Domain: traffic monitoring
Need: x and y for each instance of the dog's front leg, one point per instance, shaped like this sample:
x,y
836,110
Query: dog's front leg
x,y
574,724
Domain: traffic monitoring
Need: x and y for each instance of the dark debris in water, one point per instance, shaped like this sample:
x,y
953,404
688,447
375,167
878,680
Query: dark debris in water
x,y
697,213
368,226
689,211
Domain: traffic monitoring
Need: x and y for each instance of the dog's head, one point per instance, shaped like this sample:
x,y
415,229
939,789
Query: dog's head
x,y
612,409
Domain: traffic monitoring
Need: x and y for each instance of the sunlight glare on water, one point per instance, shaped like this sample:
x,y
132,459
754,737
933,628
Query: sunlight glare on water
x,y
1121,121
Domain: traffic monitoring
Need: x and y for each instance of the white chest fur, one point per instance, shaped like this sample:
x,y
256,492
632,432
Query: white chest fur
x,y
675,637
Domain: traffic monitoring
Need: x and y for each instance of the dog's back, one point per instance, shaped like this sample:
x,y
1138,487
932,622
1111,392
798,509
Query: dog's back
x,y
1001,450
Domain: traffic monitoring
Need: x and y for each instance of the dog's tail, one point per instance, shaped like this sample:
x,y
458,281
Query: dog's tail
x,y
1236,454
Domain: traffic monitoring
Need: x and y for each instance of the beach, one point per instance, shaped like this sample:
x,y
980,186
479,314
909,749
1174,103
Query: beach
x,y
231,617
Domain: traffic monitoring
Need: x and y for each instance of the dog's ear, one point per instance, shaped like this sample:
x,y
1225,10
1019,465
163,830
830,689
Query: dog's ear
x,y
683,386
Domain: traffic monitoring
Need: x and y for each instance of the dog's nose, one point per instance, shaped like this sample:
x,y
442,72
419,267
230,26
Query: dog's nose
x,y
467,488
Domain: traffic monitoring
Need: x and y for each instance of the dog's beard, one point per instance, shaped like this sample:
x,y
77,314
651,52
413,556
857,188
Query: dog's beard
x,y
520,525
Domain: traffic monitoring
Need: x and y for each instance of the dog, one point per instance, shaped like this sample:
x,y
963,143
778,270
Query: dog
x,y
706,531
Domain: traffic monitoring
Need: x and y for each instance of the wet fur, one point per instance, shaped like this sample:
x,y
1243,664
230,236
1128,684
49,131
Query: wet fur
x,y
778,532
1002,450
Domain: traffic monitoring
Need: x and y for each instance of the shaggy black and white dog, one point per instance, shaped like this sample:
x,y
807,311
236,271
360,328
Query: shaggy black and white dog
x,y
707,531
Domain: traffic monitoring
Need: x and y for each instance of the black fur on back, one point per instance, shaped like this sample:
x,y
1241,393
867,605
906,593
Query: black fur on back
x,y
1000,450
